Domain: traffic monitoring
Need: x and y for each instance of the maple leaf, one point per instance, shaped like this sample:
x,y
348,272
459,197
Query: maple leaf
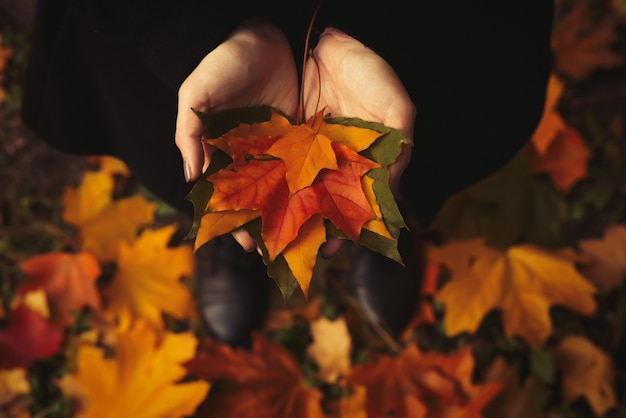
x,y
68,280
587,371
420,384
517,399
142,378
565,160
522,282
101,221
148,279
291,173
110,165
582,43
608,258
551,122
264,382
13,383
331,348
27,337
352,406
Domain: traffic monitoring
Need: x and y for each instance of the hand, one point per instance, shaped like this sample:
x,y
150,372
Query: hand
x,y
348,79
254,66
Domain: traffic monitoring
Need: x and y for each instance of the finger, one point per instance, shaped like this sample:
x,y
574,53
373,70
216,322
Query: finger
x,y
330,247
244,239
189,132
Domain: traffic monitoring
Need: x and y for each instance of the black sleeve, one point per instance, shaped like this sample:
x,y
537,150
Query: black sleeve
x,y
477,72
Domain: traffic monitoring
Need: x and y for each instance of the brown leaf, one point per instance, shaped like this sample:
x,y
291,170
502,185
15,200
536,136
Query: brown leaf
x,y
266,382
582,43
608,258
587,371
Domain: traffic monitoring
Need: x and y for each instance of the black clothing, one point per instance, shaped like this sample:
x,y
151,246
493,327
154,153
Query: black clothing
x,y
104,75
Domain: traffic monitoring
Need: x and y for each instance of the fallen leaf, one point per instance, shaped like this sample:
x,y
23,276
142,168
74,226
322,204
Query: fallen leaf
x,y
350,406
68,279
27,337
421,384
331,348
523,282
142,379
264,382
608,258
518,398
214,224
101,221
148,278
587,371
35,300
111,165
565,160
551,123
13,383
583,43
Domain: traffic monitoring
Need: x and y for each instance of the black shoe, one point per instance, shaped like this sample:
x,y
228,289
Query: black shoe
x,y
387,292
232,291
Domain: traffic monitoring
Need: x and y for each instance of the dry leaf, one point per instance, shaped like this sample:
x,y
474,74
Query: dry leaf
x,y
523,283
587,371
551,123
565,160
13,383
264,382
608,258
331,348
148,278
141,380
69,281
582,43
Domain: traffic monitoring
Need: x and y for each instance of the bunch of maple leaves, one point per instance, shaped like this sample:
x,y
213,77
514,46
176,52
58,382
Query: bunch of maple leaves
x,y
520,316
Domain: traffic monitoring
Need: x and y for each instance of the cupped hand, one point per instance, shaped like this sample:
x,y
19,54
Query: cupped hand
x,y
254,66
348,79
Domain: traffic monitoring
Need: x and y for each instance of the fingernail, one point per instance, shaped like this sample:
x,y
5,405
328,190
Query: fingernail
x,y
187,170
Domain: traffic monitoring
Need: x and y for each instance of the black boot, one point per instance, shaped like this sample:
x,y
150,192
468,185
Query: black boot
x,y
386,291
232,291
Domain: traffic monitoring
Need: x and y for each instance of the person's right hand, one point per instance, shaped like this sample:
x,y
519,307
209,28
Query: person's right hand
x,y
254,66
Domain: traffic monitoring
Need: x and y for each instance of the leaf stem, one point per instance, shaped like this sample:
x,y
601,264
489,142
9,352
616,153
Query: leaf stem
x,y
300,113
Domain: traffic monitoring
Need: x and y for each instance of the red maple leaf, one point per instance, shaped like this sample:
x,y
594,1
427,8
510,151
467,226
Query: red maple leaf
x,y
68,279
27,337
265,382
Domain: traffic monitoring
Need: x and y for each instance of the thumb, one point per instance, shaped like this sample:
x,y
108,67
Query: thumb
x,y
189,132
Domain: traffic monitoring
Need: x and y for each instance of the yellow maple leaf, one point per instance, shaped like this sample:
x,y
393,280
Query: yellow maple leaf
x,y
331,348
148,280
377,224
141,379
522,282
587,371
103,222
214,224
13,383
301,253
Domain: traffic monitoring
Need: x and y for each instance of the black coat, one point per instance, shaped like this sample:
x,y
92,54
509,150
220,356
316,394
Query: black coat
x,y
103,78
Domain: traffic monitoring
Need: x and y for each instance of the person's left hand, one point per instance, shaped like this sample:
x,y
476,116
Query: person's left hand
x,y
348,79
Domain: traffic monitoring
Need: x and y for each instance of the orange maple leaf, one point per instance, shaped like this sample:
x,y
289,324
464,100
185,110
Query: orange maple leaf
x,y
69,281
420,384
27,337
265,382
148,280
551,123
565,160
142,379
523,282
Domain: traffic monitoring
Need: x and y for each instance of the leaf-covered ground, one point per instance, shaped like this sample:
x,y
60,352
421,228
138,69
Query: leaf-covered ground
x,y
524,300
